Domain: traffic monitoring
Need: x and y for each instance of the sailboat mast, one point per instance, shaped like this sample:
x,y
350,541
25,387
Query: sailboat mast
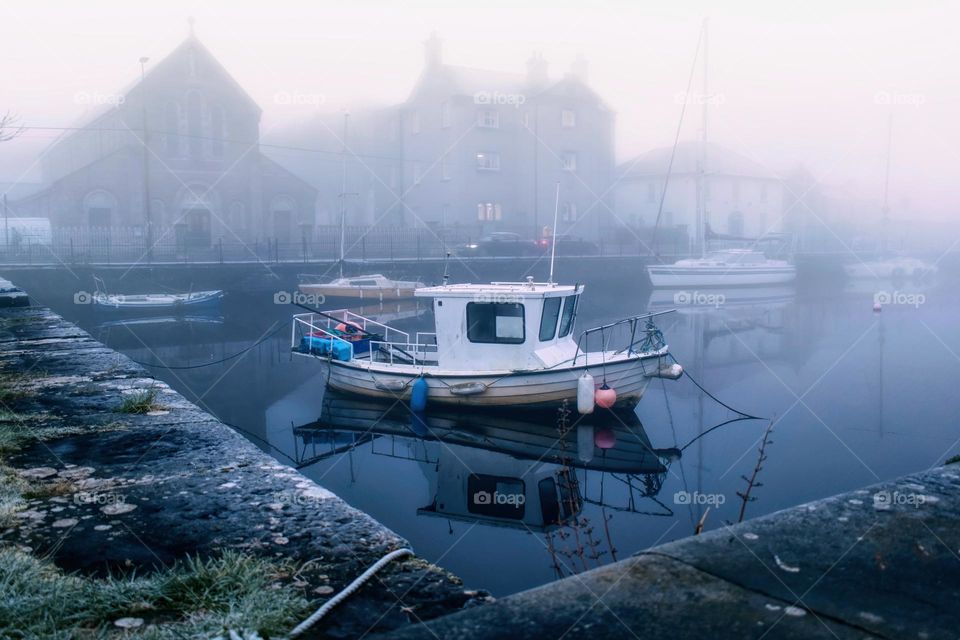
x,y
886,187
343,190
702,214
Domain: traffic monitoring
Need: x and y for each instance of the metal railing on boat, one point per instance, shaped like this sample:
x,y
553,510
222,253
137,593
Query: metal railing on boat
x,y
649,337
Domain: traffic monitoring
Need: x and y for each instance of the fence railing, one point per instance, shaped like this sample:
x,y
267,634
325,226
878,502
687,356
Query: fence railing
x,y
128,245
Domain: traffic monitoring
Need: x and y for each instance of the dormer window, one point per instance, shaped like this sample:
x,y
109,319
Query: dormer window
x,y
488,119
488,161
568,119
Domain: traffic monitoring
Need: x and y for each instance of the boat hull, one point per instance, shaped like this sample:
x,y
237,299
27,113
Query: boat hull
x,y
667,276
376,294
629,377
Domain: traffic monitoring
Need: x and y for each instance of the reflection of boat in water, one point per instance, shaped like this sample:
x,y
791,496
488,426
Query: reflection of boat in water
x,y
163,321
892,268
534,435
688,301
392,310
493,467
194,301
495,345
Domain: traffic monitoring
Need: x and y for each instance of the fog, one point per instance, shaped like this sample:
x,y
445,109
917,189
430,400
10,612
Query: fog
x,y
809,85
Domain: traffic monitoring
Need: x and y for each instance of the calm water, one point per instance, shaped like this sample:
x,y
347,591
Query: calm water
x,y
858,397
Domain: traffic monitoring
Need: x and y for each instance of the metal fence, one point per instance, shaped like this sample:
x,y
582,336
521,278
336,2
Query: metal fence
x,y
129,245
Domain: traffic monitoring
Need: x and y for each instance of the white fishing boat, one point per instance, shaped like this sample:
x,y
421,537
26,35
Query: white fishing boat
x,y
155,302
730,267
375,287
495,345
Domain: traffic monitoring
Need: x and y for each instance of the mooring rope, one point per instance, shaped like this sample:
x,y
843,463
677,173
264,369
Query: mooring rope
x,y
221,360
713,397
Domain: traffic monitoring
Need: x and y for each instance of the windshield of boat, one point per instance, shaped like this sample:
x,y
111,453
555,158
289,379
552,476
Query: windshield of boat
x,y
737,257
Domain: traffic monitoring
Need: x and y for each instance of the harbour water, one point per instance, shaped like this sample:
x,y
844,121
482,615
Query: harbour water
x,y
856,396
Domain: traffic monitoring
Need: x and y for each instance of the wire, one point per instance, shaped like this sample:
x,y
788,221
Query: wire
x,y
220,361
713,397
348,591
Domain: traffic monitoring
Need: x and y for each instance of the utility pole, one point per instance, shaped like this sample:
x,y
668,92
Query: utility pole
x,y
146,159
343,190
704,187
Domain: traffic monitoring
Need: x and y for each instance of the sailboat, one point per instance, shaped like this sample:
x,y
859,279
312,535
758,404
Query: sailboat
x,y
887,265
376,287
726,267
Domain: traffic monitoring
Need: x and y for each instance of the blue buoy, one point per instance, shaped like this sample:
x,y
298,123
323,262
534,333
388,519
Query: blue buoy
x,y
418,424
418,397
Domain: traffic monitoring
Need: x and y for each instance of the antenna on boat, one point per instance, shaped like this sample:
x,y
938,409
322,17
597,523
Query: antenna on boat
x,y
553,234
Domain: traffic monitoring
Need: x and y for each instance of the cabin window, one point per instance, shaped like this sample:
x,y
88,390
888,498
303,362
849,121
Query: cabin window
x,y
495,322
496,496
569,311
363,283
548,322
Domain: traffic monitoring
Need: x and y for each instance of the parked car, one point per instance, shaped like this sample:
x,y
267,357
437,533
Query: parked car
x,y
500,243
570,246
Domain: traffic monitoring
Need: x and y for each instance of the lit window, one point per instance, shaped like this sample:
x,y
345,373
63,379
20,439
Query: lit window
x,y
568,118
488,118
569,161
488,161
489,211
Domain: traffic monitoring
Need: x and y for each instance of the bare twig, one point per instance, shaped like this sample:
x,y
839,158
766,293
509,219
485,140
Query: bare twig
x,y
752,483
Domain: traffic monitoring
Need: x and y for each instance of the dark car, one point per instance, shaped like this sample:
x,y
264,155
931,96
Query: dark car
x,y
570,246
500,243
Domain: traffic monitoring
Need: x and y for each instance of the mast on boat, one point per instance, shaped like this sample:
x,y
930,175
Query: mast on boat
x,y
702,186
886,188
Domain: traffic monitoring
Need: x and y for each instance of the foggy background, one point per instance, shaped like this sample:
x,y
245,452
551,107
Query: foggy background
x,y
809,85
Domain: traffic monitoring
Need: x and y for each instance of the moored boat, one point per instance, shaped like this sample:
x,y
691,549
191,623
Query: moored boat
x,y
728,268
375,287
499,344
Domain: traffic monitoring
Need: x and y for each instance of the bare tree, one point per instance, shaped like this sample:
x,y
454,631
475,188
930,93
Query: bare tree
x,y
10,126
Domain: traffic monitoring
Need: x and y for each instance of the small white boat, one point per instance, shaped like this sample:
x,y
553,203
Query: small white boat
x,y
727,268
179,303
890,268
495,345
376,287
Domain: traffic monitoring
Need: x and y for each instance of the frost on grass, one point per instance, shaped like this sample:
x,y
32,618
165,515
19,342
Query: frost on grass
x,y
195,598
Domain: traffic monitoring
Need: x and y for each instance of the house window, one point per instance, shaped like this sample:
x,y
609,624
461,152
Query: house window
x,y
568,119
569,161
488,118
568,212
444,115
548,321
216,127
489,211
415,122
444,215
488,161
444,168
568,315
417,172
495,322
195,124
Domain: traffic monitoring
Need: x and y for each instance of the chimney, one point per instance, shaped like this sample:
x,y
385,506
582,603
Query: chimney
x,y
433,51
580,68
537,71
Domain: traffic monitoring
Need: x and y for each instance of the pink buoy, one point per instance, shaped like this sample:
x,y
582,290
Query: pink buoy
x,y
606,397
877,308
604,438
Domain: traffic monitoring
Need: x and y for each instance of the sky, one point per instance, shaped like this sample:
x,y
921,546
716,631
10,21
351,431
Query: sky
x,y
791,84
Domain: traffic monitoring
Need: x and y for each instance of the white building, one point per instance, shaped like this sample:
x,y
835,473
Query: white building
x,y
742,197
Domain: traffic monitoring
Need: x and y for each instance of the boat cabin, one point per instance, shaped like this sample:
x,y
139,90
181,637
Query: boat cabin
x,y
503,325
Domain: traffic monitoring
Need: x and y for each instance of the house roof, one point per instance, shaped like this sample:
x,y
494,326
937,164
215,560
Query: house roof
x,y
720,161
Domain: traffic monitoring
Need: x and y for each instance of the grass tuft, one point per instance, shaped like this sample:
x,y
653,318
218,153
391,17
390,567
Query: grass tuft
x,y
194,598
140,402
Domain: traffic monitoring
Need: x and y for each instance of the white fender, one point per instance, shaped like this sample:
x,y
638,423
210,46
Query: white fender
x,y
585,394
